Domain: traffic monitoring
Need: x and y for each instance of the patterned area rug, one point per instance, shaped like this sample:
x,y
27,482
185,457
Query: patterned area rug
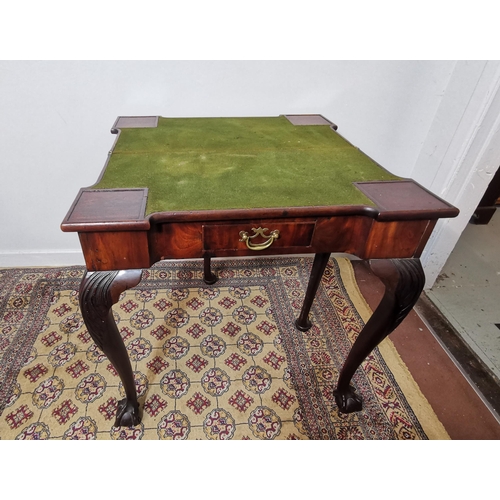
x,y
210,362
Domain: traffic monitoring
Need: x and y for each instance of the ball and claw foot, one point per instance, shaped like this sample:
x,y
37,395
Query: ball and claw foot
x,y
348,401
127,414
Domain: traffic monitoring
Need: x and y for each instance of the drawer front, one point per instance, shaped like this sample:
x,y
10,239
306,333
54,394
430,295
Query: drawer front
x,y
227,237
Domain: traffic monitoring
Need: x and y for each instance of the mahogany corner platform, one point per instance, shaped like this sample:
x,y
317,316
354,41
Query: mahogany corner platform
x,y
178,188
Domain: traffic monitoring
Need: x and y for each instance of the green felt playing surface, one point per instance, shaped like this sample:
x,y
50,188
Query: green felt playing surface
x,y
239,163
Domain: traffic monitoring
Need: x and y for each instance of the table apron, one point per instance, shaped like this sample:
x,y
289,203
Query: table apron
x,y
358,235
115,250
361,236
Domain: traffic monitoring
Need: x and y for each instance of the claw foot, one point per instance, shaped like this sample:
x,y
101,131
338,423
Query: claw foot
x,y
127,414
348,401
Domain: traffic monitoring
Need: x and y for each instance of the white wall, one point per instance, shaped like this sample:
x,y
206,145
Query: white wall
x,y
55,118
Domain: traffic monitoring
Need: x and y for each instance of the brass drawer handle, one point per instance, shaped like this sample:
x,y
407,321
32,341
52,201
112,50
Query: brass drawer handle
x,y
275,234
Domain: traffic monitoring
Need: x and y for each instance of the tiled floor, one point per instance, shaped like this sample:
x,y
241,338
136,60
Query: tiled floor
x,y
468,291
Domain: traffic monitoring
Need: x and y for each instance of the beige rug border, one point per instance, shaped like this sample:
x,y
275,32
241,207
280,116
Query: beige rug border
x,y
421,407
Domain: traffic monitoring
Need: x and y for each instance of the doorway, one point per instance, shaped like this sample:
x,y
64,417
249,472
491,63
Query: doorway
x,y
467,291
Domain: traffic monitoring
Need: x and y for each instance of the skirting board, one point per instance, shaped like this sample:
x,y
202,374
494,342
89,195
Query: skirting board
x,y
42,259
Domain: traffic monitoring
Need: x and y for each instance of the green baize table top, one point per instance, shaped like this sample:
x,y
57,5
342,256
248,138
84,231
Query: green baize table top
x,y
239,163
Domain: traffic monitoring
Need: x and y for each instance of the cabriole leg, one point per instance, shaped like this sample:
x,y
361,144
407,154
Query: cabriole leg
x,y
404,281
98,292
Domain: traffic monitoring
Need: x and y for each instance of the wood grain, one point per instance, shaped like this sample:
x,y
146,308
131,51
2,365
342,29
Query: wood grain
x,y
106,251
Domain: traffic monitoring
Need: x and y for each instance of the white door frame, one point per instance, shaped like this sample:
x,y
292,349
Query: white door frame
x,y
461,153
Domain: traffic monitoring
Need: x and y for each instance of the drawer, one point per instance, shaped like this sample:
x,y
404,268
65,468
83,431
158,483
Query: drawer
x,y
217,237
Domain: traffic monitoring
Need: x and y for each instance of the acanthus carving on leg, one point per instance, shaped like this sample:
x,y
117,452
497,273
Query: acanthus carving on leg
x,y
404,281
98,292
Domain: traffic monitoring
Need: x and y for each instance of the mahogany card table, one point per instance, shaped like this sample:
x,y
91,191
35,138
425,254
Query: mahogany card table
x,y
184,188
